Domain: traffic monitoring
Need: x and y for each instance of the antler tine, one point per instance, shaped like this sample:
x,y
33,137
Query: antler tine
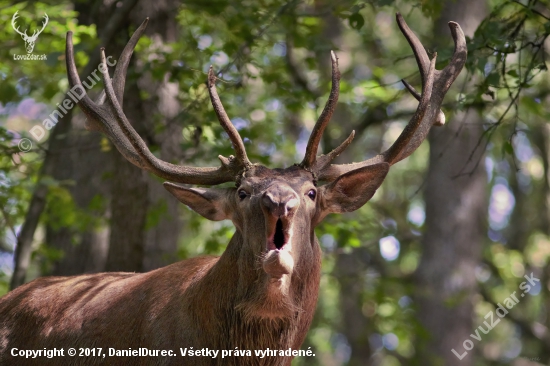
x,y
110,119
395,152
91,110
435,85
225,122
324,118
119,77
324,160
451,71
440,121
148,160
418,49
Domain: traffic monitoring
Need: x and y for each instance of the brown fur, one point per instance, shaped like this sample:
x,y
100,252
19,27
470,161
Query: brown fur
x,y
192,303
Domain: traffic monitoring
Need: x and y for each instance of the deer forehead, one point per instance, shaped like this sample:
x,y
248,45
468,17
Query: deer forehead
x,y
259,178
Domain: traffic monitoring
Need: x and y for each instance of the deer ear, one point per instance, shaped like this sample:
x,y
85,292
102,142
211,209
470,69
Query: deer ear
x,y
210,203
353,189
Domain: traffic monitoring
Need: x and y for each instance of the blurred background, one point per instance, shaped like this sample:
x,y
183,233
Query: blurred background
x,y
412,278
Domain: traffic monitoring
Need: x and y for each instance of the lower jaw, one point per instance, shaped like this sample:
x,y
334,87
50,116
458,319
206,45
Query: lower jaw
x,y
278,262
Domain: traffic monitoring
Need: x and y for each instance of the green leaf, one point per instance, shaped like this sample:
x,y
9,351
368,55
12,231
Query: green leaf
x,y
493,79
481,62
432,8
7,92
531,105
384,2
356,21
513,73
508,148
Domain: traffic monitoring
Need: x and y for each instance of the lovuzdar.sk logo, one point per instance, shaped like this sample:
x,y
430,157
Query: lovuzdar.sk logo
x,y
30,41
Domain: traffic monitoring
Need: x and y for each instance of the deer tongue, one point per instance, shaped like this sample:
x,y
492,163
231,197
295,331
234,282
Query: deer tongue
x,y
277,263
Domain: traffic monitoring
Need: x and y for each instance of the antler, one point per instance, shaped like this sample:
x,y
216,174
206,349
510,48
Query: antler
x,y
324,118
435,84
110,119
234,136
13,24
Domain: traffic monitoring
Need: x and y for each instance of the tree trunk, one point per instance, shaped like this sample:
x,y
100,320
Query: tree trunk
x,y
83,166
59,143
23,250
80,170
456,210
131,242
163,231
349,271
133,245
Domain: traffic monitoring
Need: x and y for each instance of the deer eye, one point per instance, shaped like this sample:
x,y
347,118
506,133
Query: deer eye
x,y
312,194
242,194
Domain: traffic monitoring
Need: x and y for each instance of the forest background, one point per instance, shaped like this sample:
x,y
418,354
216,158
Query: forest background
x,y
407,279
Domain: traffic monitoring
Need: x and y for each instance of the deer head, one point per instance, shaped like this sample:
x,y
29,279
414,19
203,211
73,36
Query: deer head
x,y
274,210
29,40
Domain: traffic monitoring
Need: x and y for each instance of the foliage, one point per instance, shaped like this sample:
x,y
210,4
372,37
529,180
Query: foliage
x,y
272,62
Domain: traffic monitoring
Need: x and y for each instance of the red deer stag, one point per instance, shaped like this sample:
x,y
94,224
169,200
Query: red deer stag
x,y
261,293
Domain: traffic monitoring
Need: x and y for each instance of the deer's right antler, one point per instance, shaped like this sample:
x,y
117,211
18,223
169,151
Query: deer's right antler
x,y
110,119
435,84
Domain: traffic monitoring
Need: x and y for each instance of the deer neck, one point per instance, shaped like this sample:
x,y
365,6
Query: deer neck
x,y
245,301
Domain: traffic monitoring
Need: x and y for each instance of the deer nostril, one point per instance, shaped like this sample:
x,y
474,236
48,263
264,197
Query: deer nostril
x,y
291,203
279,205
268,200
272,205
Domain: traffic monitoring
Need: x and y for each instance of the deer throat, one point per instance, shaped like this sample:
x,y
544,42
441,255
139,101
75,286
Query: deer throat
x,y
269,298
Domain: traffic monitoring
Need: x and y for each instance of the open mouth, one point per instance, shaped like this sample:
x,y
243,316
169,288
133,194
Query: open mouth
x,y
279,237
277,260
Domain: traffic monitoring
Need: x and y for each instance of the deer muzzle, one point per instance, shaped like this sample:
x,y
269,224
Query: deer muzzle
x,y
279,203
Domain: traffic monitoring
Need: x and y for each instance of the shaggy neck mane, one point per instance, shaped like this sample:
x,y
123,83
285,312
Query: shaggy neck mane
x,y
252,315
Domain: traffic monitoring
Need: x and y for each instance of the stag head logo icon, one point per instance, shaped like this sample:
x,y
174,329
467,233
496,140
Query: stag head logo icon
x,y
29,40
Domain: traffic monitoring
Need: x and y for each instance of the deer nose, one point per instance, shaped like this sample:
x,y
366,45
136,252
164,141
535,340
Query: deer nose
x,y
280,201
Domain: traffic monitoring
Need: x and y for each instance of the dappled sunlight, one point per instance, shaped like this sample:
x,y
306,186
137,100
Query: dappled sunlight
x,y
389,248
501,205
